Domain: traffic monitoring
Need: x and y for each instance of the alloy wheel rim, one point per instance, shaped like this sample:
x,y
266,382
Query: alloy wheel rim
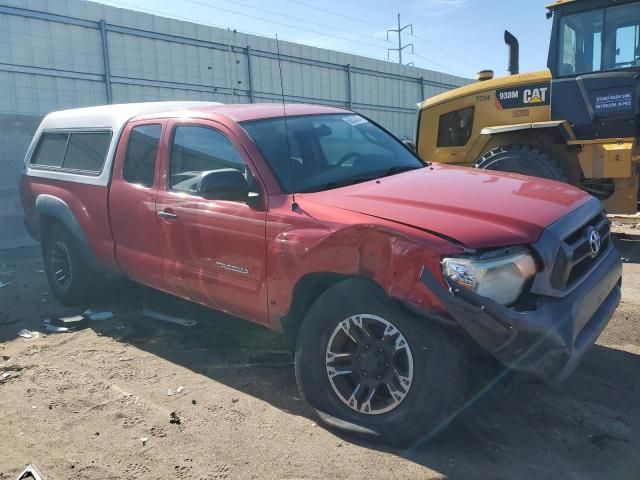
x,y
369,364
61,265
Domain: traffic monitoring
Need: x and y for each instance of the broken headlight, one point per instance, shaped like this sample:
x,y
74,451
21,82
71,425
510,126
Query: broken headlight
x,y
500,275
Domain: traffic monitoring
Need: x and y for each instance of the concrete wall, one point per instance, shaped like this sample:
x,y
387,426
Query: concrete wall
x,y
16,132
57,54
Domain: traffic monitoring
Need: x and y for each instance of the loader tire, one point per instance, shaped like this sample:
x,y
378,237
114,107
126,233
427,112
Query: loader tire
x,y
525,160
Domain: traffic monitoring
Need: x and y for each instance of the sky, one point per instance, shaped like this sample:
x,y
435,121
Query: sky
x,y
459,37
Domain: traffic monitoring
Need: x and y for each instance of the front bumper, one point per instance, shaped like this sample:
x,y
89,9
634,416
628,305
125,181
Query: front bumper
x,y
550,340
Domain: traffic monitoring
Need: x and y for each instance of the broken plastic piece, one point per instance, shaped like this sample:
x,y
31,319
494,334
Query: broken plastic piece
x,y
24,333
2,285
171,392
144,441
31,473
8,375
65,324
151,313
98,316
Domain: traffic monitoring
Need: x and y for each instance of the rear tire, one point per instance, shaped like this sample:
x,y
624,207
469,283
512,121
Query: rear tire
x,y
434,379
71,280
523,159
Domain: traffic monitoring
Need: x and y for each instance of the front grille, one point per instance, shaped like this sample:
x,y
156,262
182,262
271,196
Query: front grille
x,y
575,256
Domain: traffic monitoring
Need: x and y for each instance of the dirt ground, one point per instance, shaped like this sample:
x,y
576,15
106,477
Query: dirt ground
x,y
82,401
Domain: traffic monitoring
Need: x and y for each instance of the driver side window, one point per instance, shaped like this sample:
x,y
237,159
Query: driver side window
x,y
196,150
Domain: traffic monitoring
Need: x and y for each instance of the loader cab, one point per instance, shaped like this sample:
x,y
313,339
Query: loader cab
x,y
594,59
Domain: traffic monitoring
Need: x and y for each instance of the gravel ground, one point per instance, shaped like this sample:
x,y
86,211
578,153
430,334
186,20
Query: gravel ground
x,y
82,402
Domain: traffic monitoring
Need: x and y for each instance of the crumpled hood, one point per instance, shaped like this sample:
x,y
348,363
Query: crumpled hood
x,y
478,208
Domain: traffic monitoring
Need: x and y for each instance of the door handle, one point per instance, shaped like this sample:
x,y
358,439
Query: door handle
x,y
167,215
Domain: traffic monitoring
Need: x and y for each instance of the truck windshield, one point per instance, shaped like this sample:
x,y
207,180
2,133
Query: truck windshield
x,y
320,152
599,40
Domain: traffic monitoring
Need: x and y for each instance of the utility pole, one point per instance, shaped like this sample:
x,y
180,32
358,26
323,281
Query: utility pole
x,y
400,46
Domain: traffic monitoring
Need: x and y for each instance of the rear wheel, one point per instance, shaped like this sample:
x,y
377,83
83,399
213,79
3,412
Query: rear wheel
x,y
523,159
70,278
368,367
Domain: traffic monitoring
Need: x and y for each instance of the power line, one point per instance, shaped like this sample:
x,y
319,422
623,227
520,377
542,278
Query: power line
x,y
331,12
272,12
446,52
209,24
367,5
171,15
440,65
199,21
255,17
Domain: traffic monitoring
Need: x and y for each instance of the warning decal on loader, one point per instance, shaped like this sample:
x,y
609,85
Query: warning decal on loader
x,y
523,96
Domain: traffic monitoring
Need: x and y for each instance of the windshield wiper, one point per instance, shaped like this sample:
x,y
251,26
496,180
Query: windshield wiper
x,y
363,178
399,169
341,183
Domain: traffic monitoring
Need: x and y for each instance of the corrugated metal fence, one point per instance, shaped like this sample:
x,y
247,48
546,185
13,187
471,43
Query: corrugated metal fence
x,y
60,54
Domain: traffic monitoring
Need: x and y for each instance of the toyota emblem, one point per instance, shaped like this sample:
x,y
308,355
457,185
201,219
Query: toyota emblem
x,y
594,242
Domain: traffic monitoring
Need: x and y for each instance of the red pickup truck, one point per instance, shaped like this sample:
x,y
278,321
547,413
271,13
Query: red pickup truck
x,y
317,222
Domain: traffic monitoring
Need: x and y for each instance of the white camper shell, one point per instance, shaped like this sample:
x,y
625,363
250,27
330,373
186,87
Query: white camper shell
x,y
106,119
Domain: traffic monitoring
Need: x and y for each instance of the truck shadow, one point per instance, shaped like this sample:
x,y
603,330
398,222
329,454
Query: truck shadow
x,y
517,427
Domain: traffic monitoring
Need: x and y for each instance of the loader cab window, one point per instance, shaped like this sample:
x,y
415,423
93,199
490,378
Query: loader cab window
x,y
454,129
599,40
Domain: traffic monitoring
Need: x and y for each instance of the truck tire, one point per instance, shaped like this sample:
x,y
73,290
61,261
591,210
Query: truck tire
x,y
523,159
368,367
70,278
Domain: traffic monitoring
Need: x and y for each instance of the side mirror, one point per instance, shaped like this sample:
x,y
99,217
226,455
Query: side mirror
x,y
224,184
409,144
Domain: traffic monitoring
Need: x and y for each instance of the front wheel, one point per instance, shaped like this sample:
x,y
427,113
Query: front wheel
x,y
367,366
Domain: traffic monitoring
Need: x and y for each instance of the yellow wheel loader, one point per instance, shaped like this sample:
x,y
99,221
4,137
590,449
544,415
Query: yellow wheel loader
x,y
577,121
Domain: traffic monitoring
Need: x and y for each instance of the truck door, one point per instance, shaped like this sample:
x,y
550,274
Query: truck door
x,y
214,250
132,204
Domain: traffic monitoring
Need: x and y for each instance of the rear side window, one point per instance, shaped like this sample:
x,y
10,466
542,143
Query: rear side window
x,y
454,129
82,151
87,151
140,160
50,150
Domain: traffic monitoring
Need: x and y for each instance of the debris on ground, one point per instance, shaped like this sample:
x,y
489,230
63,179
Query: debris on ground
x,y
171,392
144,441
65,324
151,313
174,419
98,316
28,334
2,284
31,473
9,375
